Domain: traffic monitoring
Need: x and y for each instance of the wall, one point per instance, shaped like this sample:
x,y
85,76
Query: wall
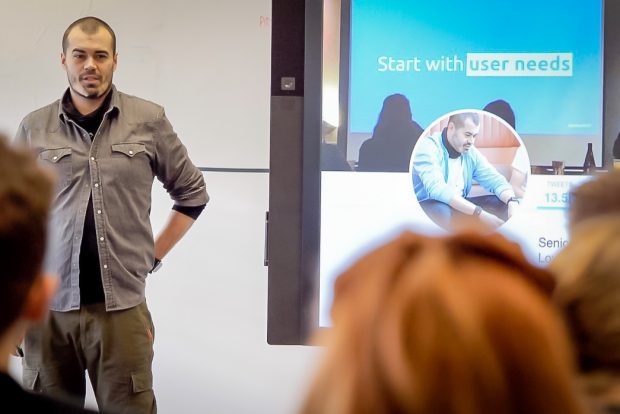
x,y
207,62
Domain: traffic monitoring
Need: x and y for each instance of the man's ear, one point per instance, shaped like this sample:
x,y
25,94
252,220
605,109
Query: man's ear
x,y
63,58
39,296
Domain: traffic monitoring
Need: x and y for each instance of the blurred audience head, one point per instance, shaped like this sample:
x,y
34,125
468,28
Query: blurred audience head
x,y
598,196
25,198
459,324
588,294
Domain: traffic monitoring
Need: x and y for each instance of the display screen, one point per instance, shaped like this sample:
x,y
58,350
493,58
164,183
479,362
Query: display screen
x,y
530,71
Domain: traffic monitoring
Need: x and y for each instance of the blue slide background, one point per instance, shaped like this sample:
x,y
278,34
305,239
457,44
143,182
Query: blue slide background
x,y
405,29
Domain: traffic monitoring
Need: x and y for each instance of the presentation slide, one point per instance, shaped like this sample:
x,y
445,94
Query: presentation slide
x,y
423,62
448,54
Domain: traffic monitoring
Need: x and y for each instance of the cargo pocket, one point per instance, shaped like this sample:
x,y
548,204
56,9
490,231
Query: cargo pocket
x,y
30,379
60,160
142,399
141,381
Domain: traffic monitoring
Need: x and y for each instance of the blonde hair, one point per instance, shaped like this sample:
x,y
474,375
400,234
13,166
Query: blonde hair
x,y
596,197
460,324
588,293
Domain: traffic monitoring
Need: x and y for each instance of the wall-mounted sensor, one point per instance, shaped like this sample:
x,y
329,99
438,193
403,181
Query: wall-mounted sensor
x,y
287,84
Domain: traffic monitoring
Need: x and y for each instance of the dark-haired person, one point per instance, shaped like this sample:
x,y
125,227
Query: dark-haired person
x,y
445,165
107,147
25,291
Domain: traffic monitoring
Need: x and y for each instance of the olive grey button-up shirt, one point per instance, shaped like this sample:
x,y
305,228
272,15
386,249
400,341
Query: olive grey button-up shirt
x,y
134,144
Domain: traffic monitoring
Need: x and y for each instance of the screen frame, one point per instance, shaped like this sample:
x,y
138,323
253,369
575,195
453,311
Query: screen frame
x,y
293,302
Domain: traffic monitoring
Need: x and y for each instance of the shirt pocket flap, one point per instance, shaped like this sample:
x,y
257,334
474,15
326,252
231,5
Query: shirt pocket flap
x,y
141,381
129,149
54,155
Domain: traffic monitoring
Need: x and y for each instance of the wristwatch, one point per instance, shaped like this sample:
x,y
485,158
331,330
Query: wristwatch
x,y
515,199
156,265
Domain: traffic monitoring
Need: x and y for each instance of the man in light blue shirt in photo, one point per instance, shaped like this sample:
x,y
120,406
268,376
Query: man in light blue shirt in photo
x,y
445,165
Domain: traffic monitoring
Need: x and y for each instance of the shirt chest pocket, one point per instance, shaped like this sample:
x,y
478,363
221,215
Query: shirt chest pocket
x,y
130,163
128,149
60,160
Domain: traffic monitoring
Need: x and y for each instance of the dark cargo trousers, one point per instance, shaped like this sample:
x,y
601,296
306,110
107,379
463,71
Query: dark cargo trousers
x,y
445,216
115,348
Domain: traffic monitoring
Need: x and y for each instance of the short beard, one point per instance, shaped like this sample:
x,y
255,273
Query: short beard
x,y
93,96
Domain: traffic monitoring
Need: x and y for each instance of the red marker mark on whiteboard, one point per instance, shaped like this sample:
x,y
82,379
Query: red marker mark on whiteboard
x,y
264,21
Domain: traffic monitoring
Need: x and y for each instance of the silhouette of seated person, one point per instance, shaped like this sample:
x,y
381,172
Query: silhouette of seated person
x,y
393,139
502,109
616,150
332,158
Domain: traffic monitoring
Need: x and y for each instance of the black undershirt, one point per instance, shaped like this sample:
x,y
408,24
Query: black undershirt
x,y
91,286
452,153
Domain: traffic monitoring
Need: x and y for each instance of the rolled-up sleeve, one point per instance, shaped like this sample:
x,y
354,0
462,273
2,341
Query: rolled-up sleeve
x,y
180,177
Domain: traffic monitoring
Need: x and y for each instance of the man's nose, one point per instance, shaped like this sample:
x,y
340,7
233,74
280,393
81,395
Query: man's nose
x,y
90,63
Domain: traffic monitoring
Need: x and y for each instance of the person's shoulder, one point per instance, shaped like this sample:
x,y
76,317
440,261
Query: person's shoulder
x,y
369,145
38,117
139,109
428,142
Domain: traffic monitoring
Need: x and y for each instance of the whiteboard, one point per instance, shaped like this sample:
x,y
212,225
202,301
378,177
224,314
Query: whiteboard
x,y
207,62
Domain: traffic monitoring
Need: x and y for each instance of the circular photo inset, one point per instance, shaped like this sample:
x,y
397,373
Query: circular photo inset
x,y
469,166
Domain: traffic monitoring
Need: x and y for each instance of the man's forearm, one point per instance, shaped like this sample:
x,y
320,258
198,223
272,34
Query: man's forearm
x,y
461,204
506,195
467,207
175,229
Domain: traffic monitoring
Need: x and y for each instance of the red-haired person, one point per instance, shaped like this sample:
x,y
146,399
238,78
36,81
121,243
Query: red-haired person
x,y
461,324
